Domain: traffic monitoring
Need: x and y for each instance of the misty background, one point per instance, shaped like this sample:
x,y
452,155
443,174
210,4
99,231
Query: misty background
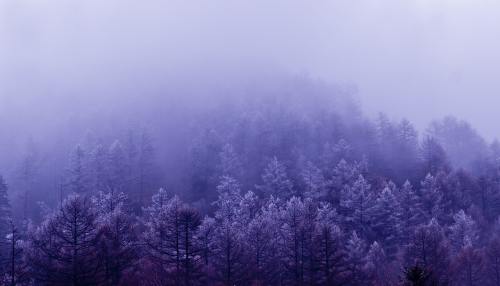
x,y
419,59
265,142
72,67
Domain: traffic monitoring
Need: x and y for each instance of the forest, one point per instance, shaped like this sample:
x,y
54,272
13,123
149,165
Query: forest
x,y
288,184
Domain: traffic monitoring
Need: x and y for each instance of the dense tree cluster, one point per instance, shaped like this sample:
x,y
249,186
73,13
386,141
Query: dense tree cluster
x,y
272,193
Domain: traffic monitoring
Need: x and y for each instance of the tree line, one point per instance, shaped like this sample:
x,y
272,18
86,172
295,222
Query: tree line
x,y
268,191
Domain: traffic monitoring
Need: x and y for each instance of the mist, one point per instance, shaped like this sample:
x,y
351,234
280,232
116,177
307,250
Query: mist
x,y
233,115
424,57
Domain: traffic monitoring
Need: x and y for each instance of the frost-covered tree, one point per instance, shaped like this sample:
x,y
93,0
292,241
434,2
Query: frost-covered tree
x,y
78,172
492,264
229,199
378,268
164,234
13,268
5,212
204,239
329,247
275,181
429,249
118,243
314,182
190,270
468,266
433,156
248,208
145,166
228,251
357,203
386,222
463,231
64,248
117,167
261,241
293,248
29,171
430,198
410,214
230,163
343,174
98,172
356,259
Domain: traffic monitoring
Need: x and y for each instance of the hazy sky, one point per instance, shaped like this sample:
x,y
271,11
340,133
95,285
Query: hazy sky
x,y
420,59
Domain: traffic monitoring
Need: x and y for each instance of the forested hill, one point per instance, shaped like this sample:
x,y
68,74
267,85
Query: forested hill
x,y
284,183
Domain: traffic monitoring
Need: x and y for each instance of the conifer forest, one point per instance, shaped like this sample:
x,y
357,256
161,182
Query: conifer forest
x,y
168,143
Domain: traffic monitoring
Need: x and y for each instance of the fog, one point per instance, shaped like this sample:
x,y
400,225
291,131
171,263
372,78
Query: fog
x,y
207,140
419,59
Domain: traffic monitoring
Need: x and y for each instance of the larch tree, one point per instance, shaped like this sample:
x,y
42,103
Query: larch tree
x,y
386,223
117,167
468,266
118,242
328,242
355,259
356,204
463,231
275,181
228,247
145,166
377,267
314,182
410,214
429,249
64,249
78,171
14,266
293,241
492,265
430,198
5,212
164,234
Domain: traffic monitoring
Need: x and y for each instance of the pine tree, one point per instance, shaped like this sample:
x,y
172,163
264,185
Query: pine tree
x,y
385,222
468,266
492,266
117,167
433,156
229,199
357,205
28,174
189,220
463,230
410,211
78,172
230,163
98,164
430,198
275,181
14,267
248,208
164,234
118,240
64,248
5,213
314,182
293,241
328,244
355,260
261,241
378,268
145,166
429,249
205,240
